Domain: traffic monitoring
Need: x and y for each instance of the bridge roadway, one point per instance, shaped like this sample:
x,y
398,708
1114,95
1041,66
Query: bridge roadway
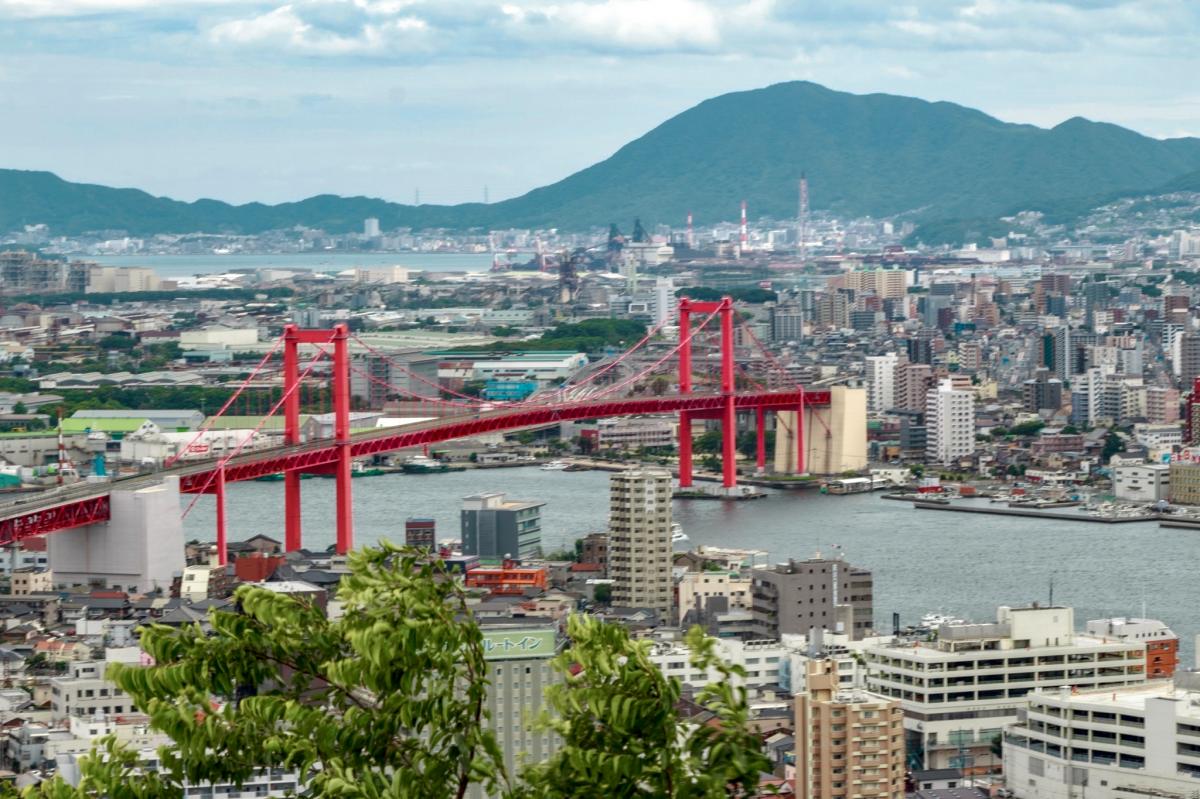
x,y
88,503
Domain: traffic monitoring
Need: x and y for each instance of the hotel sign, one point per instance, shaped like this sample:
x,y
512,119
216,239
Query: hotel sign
x,y
512,644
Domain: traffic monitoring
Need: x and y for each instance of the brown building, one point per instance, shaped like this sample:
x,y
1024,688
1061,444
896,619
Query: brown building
x,y
595,549
420,533
849,743
825,593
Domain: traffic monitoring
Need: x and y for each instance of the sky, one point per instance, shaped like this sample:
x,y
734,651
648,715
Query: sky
x,y
271,101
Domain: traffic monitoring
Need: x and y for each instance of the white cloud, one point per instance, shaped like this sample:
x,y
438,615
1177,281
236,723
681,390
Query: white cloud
x,y
32,9
287,29
640,24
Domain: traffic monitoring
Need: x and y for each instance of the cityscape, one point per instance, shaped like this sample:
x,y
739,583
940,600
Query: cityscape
x,y
869,469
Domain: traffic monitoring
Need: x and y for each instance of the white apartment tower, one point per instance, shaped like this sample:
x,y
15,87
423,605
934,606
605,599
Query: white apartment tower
x,y
881,382
949,423
639,539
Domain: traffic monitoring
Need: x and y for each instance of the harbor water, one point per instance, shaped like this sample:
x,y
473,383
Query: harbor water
x,y
177,266
922,561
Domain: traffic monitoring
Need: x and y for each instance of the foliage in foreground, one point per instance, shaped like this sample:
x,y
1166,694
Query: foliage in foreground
x,y
388,701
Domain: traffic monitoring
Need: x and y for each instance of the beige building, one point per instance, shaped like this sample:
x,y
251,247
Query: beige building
x,y
31,580
1185,483
696,588
639,539
886,284
835,435
849,743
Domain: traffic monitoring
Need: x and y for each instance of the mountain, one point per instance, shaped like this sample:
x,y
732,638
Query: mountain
x,y
874,154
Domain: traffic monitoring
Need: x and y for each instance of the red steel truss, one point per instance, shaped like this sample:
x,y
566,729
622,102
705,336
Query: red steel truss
x,y
321,456
42,520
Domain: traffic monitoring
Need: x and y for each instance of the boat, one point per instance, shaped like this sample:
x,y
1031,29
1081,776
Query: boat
x,y
932,621
555,466
422,464
677,534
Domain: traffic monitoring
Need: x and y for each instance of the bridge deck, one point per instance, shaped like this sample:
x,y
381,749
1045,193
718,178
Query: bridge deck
x,y
73,506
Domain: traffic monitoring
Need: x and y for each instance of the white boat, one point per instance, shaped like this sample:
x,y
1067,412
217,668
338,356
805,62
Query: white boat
x,y
931,621
555,466
677,533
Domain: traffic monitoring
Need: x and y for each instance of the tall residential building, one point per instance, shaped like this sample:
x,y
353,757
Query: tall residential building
x,y
960,690
1141,741
1070,351
949,424
1189,358
833,309
881,382
887,284
1162,405
493,528
913,381
848,743
639,539
787,322
518,657
1043,392
824,593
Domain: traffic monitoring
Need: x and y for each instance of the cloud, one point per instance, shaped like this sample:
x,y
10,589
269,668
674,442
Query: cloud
x,y
652,25
322,29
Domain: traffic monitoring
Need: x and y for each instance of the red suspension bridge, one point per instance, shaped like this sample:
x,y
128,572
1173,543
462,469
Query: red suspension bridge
x,y
466,416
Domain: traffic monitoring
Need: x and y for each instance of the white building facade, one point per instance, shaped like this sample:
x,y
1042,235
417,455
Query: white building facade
x,y
949,424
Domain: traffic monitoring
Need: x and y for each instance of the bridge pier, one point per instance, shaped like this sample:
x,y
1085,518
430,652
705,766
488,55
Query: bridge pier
x,y
760,440
139,548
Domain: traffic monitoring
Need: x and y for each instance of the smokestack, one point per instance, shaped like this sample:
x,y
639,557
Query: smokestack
x,y
691,239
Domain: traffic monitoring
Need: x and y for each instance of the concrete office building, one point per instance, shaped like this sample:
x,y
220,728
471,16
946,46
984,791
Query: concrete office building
x,y
1107,744
881,382
639,539
518,656
824,593
494,528
959,691
849,743
949,424
1142,482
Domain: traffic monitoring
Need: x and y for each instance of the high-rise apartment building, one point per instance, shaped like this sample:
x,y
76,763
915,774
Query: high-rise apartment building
x,y
848,743
881,382
949,424
1042,392
787,322
639,539
1189,358
824,593
887,284
493,528
913,381
960,690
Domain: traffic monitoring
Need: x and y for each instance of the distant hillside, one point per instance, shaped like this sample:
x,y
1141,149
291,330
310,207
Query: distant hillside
x,y
871,154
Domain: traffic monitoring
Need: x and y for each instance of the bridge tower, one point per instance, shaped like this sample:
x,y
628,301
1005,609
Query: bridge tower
x,y
728,412
293,337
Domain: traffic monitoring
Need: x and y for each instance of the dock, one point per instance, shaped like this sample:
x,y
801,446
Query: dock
x,y
1036,514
